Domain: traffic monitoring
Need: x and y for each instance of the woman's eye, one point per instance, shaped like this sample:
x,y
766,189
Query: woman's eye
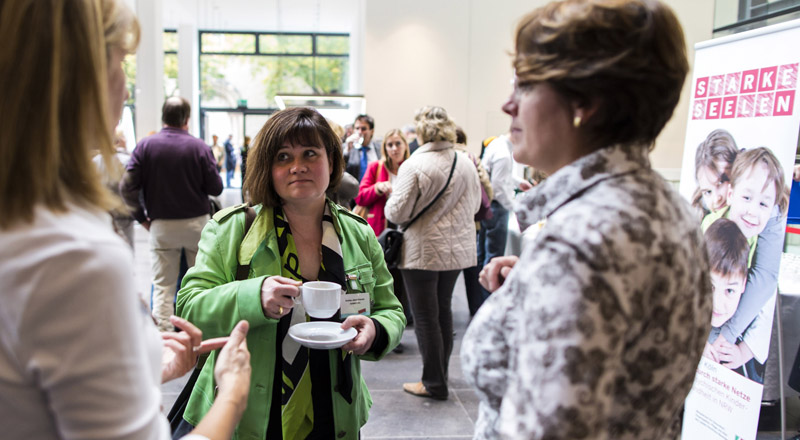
x,y
282,157
311,153
730,292
706,193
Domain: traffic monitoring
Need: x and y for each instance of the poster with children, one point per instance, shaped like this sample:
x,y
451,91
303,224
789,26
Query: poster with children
x,y
738,159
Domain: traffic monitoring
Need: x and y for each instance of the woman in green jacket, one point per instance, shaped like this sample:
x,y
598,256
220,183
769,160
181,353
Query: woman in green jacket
x,y
298,235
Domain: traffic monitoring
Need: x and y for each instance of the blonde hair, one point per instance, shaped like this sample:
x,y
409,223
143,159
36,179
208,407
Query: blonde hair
x,y
433,125
748,159
393,132
55,53
336,128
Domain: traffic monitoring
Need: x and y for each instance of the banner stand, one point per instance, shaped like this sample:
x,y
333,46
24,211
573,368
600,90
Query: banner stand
x,y
741,141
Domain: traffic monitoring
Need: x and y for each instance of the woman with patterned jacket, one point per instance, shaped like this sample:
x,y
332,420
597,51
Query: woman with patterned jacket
x,y
599,325
298,235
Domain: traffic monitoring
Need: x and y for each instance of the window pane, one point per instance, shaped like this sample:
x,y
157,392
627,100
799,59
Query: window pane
x,y
253,124
333,45
236,43
284,44
225,79
170,74
170,42
332,75
129,67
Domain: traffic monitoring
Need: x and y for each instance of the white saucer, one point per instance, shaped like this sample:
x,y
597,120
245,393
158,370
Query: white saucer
x,y
321,335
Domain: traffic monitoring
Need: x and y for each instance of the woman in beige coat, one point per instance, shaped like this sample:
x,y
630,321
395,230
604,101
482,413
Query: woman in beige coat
x,y
438,244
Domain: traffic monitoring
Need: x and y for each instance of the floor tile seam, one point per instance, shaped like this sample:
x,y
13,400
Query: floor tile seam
x,y
464,408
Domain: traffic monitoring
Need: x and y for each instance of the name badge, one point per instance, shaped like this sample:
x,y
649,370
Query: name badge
x,y
355,304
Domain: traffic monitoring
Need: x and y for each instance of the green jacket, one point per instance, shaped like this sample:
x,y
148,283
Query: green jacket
x,y
212,300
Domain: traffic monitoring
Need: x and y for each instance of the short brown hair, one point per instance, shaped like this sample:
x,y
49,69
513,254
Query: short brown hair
x,y
626,57
748,159
367,119
728,250
299,125
175,111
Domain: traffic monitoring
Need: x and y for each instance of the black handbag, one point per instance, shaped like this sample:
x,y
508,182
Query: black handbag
x,y
175,416
391,240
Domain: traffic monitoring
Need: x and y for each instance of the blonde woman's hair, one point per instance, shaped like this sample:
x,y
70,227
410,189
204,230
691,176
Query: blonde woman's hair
x,y
433,125
393,132
54,106
338,129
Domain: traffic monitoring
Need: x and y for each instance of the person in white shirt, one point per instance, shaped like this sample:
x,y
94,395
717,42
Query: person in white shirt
x,y
492,236
80,357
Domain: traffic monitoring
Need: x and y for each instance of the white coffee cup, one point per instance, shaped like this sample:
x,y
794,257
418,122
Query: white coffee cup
x,y
320,298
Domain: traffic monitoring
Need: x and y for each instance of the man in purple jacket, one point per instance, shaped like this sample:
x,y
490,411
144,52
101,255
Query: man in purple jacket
x,y
167,183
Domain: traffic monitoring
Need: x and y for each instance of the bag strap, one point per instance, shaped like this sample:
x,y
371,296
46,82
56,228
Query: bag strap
x,y
453,168
243,270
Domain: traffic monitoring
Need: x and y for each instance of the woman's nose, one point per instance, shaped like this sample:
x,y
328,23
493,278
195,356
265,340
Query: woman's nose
x,y
510,106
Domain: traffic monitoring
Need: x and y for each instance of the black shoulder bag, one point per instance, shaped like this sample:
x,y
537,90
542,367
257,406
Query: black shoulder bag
x,y
391,240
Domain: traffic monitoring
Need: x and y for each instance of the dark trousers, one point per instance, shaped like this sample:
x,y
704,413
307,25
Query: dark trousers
x,y
431,293
475,296
492,238
402,296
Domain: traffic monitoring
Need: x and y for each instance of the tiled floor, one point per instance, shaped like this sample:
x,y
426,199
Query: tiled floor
x,y
395,414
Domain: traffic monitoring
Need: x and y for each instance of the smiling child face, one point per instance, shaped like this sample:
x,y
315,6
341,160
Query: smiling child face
x,y
714,188
727,290
751,200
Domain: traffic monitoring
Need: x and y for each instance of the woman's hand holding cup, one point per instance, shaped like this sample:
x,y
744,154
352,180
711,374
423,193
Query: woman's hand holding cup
x,y
277,295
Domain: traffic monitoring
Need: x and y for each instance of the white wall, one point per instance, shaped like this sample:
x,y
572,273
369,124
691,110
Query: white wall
x,y
456,54
697,19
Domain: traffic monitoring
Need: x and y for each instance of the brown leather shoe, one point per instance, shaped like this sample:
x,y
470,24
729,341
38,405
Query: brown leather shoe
x,y
418,389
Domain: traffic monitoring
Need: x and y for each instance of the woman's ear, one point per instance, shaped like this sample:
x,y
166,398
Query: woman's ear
x,y
583,110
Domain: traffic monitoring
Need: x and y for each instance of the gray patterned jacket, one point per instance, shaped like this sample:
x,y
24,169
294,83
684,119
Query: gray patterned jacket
x,y
598,330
